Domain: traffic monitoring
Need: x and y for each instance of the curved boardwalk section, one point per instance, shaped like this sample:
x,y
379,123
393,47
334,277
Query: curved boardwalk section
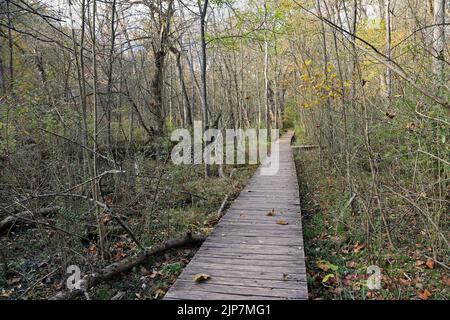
x,y
256,250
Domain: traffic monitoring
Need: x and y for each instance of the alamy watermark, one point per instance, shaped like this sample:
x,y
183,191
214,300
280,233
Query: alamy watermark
x,y
374,280
227,146
73,281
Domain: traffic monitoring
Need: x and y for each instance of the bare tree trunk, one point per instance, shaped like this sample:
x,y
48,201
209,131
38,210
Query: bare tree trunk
x,y
160,51
204,93
388,17
134,107
95,185
439,40
157,91
266,69
353,27
171,94
236,89
348,173
11,48
242,87
2,74
258,92
109,105
79,63
188,106
371,158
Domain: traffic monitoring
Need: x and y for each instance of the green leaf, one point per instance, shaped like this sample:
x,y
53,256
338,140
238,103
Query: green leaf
x,y
327,277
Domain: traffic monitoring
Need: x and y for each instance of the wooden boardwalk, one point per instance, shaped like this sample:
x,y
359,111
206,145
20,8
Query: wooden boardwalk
x,y
253,254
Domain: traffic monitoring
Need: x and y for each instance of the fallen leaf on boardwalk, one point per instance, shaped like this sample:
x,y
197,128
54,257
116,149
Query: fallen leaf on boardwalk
x,y
430,264
271,213
425,295
201,277
282,222
286,276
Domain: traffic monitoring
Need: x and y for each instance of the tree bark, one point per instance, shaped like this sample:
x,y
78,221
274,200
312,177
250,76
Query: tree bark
x,y
160,51
188,115
109,102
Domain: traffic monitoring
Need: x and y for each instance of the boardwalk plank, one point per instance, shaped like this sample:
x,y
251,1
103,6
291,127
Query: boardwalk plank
x,y
251,282
240,290
252,268
201,295
250,262
239,275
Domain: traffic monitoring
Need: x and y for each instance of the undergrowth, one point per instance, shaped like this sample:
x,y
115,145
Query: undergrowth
x,y
338,253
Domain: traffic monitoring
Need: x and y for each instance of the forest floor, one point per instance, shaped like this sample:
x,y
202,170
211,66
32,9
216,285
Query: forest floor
x,y
34,258
337,257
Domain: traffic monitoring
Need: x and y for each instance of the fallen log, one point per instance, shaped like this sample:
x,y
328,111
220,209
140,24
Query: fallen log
x,y
93,279
25,216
